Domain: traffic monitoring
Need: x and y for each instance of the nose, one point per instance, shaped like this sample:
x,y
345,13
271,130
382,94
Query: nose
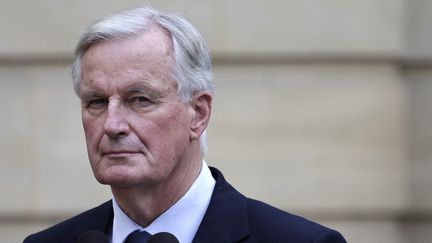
x,y
116,124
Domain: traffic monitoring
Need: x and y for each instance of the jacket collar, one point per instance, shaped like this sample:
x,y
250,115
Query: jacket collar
x,y
226,217
100,220
224,221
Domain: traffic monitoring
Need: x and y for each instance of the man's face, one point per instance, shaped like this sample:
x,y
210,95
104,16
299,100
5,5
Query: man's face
x,y
137,130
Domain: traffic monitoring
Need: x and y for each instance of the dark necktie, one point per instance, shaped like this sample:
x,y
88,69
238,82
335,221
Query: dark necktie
x,y
137,237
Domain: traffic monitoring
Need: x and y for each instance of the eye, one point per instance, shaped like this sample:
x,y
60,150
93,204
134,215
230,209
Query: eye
x,y
96,103
140,101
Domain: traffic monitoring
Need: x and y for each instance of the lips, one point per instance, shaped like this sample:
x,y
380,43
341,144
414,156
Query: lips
x,y
119,153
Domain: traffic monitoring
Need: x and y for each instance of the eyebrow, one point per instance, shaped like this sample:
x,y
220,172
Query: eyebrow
x,y
86,95
141,87
126,90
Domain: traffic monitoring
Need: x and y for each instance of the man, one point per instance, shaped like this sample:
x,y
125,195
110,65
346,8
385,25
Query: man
x,y
144,80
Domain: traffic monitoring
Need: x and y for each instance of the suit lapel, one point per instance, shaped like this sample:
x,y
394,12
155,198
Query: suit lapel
x,y
101,219
224,221
226,217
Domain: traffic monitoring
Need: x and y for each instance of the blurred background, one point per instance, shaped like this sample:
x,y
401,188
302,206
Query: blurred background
x,y
322,108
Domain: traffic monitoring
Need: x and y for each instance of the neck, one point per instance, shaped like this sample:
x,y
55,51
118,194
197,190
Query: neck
x,y
145,204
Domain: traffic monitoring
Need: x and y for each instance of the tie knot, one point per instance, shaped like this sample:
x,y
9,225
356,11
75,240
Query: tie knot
x,y
138,237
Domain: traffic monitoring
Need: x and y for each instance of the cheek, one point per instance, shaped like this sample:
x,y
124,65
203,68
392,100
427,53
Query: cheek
x,y
92,130
175,122
164,132
177,129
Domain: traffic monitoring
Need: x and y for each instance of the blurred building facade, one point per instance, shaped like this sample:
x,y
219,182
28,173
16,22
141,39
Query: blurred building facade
x,y
322,108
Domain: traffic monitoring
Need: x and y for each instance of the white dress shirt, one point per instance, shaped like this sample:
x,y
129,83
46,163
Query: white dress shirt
x,y
182,219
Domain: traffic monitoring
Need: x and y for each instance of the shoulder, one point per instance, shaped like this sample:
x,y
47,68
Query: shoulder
x,y
233,217
269,224
94,219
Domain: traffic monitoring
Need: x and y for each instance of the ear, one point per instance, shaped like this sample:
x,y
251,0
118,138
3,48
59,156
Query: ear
x,y
201,105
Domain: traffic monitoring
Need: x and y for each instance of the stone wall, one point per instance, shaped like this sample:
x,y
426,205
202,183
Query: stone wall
x,y
321,108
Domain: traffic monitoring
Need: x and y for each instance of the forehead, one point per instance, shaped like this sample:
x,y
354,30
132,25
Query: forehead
x,y
146,57
153,41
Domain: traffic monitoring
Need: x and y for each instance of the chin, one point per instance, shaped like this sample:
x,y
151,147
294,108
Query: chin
x,y
114,175
117,181
119,176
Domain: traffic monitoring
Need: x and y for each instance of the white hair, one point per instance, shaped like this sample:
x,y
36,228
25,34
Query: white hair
x,y
192,67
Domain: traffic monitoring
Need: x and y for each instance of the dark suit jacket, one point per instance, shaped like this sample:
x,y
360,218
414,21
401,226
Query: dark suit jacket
x,y
230,217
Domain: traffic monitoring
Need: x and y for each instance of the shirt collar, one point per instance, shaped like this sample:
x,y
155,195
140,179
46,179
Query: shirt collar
x,y
182,219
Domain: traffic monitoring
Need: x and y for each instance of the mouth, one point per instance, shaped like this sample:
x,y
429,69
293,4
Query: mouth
x,y
120,154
